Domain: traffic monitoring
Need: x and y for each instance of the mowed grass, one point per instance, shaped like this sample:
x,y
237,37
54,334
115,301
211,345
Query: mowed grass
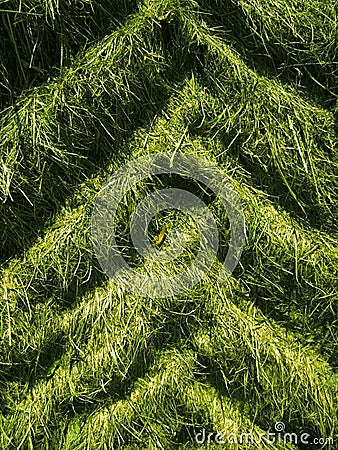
x,y
86,365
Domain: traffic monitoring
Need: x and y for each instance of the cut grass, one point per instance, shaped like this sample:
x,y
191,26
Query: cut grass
x,y
40,38
293,41
85,365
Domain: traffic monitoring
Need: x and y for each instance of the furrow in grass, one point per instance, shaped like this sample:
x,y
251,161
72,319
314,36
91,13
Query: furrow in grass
x,y
290,273
262,364
304,34
134,419
289,268
98,357
288,159
38,39
165,407
108,351
93,352
287,143
114,329
62,132
293,41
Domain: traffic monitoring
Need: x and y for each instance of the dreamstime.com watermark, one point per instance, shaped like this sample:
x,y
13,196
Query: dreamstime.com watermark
x,y
277,436
126,179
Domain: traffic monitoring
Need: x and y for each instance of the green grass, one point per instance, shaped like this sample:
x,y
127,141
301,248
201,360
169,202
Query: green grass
x,y
250,87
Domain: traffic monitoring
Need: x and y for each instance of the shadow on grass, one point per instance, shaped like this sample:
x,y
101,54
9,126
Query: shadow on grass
x,y
33,366
250,399
37,42
22,220
269,180
270,58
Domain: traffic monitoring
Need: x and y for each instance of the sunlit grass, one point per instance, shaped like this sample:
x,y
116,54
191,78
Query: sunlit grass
x,y
86,365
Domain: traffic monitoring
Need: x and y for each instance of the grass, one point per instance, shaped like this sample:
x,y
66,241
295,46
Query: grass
x,y
85,365
39,39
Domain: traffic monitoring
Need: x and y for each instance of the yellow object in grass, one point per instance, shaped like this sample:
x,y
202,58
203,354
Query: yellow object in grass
x,y
160,237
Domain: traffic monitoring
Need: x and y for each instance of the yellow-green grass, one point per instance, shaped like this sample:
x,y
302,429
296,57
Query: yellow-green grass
x,y
85,365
